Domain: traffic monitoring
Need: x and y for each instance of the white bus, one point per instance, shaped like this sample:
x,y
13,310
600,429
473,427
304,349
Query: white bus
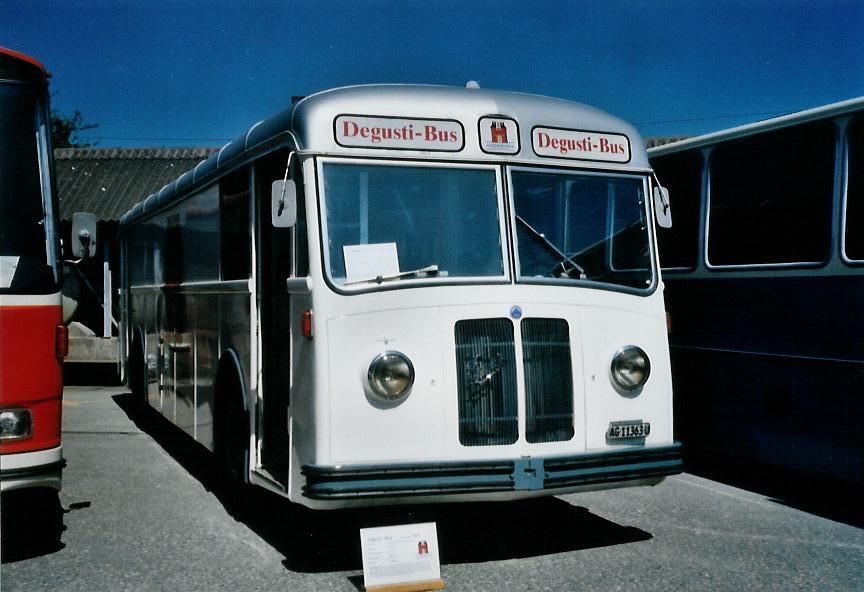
x,y
409,294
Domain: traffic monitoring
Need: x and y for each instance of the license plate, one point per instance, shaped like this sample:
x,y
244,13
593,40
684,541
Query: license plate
x,y
625,430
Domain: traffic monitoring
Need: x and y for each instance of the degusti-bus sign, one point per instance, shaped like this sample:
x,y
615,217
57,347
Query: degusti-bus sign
x,y
358,131
580,145
498,134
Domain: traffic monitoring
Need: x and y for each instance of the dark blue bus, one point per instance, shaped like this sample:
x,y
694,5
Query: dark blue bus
x,y
764,274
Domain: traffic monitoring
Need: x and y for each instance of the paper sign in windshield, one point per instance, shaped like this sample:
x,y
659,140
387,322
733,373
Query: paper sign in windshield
x,y
367,262
8,265
580,145
359,131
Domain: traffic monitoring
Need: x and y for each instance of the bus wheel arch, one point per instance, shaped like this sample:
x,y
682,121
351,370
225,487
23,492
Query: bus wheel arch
x,y
231,420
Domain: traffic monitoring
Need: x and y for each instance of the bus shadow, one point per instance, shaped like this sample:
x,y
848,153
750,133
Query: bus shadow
x,y
467,533
326,541
191,455
31,524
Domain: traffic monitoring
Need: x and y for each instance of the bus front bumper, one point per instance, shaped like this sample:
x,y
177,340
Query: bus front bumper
x,y
43,468
541,474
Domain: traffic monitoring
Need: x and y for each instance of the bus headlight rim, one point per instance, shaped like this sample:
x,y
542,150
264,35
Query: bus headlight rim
x,y
390,376
15,424
630,369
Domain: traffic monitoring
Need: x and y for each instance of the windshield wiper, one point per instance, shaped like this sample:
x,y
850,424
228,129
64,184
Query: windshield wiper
x,y
430,270
547,243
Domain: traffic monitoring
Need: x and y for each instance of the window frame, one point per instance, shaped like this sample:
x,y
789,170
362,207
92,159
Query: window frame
x,y
228,262
341,288
846,155
710,182
39,129
573,282
698,235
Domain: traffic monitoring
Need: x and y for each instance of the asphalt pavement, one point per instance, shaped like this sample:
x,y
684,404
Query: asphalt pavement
x,y
141,509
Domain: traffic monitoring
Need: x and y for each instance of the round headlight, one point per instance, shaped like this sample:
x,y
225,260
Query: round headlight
x,y
391,375
630,368
15,424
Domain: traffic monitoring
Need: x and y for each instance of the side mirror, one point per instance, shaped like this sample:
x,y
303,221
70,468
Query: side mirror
x,y
84,235
662,209
283,203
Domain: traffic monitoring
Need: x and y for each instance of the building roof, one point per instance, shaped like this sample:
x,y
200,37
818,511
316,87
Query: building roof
x,y
109,181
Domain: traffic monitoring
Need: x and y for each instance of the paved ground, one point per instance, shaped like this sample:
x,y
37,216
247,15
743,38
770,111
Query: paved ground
x,y
141,510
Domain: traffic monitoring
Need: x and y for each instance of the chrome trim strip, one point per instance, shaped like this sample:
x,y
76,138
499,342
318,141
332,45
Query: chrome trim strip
x,y
214,287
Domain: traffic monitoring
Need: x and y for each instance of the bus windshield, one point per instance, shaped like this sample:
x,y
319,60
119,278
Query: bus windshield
x,y
580,226
24,250
399,222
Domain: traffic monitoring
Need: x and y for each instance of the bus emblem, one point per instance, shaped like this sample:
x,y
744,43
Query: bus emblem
x,y
499,135
516,312
499,132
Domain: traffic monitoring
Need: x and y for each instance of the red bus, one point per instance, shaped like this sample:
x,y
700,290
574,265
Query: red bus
x,y
33,339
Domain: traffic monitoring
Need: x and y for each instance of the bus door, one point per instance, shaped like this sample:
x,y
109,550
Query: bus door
x,y
275,265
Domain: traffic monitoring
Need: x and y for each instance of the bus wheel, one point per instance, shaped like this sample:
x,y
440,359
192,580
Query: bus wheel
x,y
230,424
138,370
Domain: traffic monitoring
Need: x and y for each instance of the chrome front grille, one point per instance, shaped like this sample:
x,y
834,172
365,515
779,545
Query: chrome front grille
x,y
487,387
548,380
486,366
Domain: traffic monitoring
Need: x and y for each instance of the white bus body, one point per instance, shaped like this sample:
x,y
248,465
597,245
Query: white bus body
x,y
469,274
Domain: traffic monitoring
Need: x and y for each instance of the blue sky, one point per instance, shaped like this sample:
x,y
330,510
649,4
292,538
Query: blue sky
x,y
194,73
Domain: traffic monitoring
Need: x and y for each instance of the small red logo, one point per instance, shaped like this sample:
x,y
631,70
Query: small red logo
x,y
499,132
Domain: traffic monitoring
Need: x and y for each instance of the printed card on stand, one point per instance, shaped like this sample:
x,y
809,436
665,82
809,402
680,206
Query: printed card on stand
x,y
401,558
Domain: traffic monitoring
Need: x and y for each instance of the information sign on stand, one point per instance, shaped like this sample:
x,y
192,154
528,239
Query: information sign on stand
x,y
401,558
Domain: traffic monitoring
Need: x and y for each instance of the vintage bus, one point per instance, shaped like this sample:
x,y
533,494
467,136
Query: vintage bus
x,y
392,294
764,270
33,339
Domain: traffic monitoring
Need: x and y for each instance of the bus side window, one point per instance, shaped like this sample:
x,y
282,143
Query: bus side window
x,y
682,175
235,240
272,168
779,189
173,262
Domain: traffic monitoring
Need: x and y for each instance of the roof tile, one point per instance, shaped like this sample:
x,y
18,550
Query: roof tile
x,y
109,181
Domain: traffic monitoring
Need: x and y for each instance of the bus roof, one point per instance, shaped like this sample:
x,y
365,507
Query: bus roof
x,y
20,67
311,125
314,117
825,112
